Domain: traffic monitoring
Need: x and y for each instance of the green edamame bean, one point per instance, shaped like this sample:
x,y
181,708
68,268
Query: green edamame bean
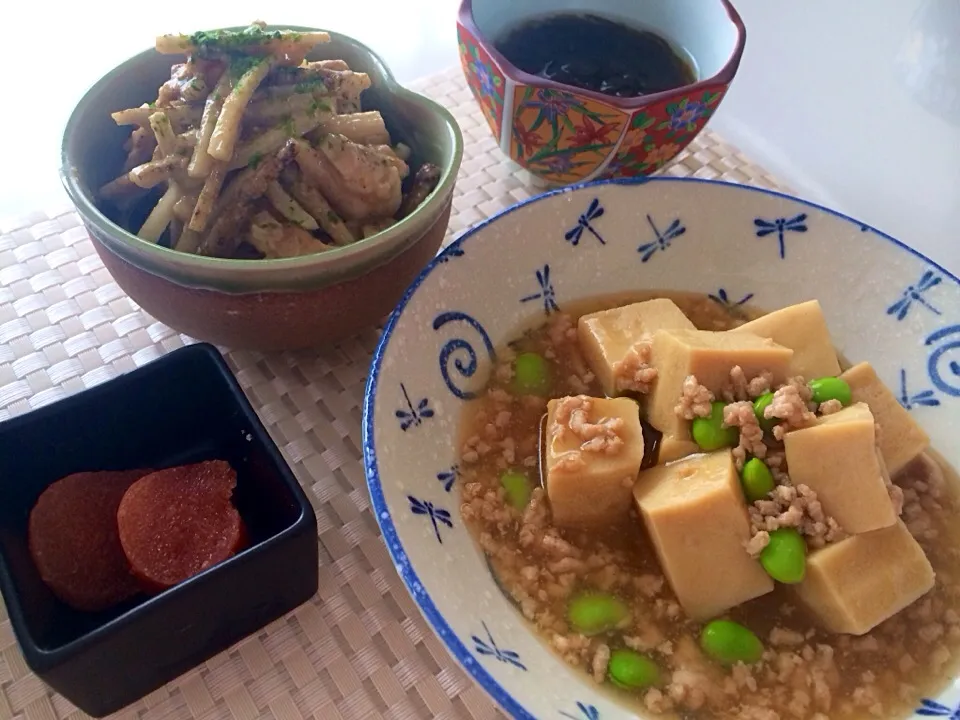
x,y
756,479
531,374
709,432
759,406
785,557
831,388
591,613
728,642
518,488
629,670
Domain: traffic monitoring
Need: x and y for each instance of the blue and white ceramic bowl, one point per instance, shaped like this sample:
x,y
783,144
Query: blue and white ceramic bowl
x,y
884,303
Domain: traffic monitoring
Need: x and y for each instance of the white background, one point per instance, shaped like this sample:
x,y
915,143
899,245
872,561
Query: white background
x,y
819,100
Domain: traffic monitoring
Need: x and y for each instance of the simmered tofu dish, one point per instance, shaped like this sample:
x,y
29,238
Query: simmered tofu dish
x,y
712,514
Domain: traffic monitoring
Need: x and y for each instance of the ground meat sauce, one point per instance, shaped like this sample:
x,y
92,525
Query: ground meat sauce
x,y
178,522
805,672
74,541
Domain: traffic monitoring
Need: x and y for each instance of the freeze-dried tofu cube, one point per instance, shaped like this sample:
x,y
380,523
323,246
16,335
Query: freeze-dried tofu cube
x,y
854,585
901,438
594,448
837,458
709,356
696,515
607,339
803,329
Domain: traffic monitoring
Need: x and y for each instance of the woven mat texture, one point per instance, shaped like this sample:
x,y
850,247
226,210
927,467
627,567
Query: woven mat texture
x,y
360,649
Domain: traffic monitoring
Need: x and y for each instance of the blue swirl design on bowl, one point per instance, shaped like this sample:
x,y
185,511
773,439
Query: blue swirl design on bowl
x,y
663,239
457,346
594,211
490,648
914,294
547,293
947,382
780,226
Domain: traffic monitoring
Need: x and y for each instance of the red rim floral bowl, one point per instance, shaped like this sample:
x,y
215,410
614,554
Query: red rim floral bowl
x,y
564,134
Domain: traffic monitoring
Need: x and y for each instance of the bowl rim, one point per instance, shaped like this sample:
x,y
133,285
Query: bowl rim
x,y
722,77
186,262
455,646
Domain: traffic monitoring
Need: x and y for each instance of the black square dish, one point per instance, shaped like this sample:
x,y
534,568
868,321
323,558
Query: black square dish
x,y
183,408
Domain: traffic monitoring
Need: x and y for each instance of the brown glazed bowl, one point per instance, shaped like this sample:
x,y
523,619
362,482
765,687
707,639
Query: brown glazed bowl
x,y
263,304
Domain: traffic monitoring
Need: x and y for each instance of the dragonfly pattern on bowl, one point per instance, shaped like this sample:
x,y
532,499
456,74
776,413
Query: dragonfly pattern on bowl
x,y
931,708
449,476
584,712
547,294
437,515
914,294
663,239
593,212
721,298
413,415
490,648
781,226
926,398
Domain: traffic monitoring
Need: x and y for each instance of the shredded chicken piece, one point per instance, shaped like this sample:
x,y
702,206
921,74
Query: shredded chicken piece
x,y
694,401
316,205
281,240
235,205
424,182
344,85
357,181
190,82
139,148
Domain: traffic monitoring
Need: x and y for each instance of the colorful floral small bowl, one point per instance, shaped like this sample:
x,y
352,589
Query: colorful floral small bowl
x,y
598,135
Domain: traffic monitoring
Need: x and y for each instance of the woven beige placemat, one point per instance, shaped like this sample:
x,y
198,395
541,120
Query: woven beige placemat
x,y
360,648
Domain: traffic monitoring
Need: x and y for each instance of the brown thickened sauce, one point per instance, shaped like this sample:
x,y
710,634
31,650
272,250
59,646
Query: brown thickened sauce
x,y
806,674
